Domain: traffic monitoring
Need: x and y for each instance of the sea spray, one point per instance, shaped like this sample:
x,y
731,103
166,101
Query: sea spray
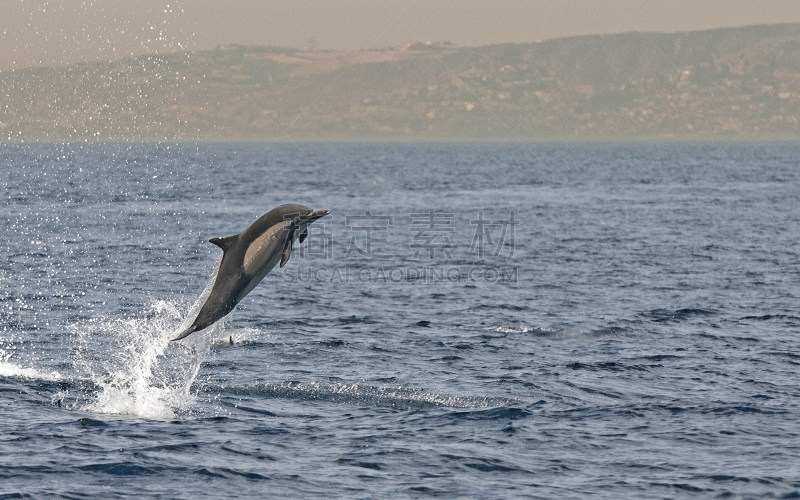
x,y
11,369
15,361
134,366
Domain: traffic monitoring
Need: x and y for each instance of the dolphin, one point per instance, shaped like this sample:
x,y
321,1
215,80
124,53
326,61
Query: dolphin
x,y
248,256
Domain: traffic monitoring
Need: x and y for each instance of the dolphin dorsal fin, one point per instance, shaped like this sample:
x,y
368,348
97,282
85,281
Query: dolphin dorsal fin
x,y
224,243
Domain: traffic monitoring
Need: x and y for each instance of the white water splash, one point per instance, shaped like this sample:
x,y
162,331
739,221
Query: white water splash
x,y
9,369
137,369
395,397
519,329
235,336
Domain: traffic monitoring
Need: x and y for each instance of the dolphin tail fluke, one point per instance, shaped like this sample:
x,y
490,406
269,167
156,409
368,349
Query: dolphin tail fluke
x,y
186,333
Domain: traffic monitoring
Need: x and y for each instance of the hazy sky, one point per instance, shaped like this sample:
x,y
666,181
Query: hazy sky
x,y
36,33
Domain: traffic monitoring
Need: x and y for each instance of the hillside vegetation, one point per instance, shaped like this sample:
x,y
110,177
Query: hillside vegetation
x,y
724,83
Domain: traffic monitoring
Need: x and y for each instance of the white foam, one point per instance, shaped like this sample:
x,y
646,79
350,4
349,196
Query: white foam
x,y
389,396
8,369
138,371
514,329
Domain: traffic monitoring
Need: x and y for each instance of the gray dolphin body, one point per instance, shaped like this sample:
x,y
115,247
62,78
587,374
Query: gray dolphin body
x,y
248,256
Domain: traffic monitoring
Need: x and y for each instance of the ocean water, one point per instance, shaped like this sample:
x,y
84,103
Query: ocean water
x,y
471,321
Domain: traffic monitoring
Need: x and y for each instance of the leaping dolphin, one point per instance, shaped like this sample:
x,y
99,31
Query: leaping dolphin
x,y
248,256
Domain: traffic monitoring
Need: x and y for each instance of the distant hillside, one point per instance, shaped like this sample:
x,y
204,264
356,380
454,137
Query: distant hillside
x,y
724,83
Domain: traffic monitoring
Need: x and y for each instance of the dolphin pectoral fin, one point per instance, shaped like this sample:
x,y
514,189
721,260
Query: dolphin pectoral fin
x,y
287,251
185,333
287,245
304,219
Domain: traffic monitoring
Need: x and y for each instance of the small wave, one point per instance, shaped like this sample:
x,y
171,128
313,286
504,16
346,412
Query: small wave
x,y
788,318
678,315
541,332
119,469
357,394
506,307
502,413
8,370
353,319
612,366
608,331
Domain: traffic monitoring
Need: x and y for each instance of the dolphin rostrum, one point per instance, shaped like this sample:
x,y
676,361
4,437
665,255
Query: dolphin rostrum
x,y
248,256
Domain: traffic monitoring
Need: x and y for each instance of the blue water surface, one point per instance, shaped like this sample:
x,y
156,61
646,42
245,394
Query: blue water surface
x,y
472,320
